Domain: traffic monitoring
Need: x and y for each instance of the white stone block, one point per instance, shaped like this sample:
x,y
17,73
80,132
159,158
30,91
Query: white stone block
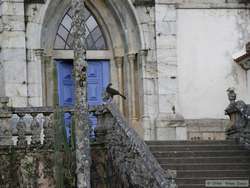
x,y
166,70
168,86
12,8
15,72
34,72
181,133
166,42
166,28
13,23
166,133
164,54
18,101
35,101
33,29
13,55
149,88
35,90
165,13
16,90
167,101
13,39
150,104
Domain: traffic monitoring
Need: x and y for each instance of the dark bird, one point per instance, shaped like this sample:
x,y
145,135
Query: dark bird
x,y
112,92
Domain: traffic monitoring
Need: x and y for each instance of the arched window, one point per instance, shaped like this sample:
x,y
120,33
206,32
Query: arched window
x,y
95,39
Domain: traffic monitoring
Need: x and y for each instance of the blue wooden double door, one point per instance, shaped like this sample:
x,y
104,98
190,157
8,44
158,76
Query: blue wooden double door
x,y
98,79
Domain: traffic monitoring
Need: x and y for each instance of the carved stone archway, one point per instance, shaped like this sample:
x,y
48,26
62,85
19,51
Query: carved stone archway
x,y
120,26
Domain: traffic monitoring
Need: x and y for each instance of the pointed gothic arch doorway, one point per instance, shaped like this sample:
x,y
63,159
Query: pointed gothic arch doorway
x,y
98,69
123,50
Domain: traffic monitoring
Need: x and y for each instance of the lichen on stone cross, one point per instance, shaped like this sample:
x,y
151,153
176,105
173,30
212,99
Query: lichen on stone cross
x,y
83,159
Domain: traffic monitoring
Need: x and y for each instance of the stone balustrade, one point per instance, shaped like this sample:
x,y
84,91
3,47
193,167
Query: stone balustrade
x,y
239,114
33,148
133,165
28,126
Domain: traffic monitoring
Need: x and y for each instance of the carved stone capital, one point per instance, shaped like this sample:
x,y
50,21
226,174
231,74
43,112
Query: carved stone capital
x,y
131,58
119,61
143,53
39,52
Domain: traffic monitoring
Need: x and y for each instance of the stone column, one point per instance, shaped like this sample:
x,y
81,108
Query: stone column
x,y
35,89
119,66
169,122
13,51
146,96
131,61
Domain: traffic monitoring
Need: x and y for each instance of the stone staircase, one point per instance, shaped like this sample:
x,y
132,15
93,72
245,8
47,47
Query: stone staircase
x,y
198,161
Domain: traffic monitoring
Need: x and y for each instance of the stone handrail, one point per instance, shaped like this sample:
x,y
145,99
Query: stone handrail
x,y
239,114
28,126
33,148
130,156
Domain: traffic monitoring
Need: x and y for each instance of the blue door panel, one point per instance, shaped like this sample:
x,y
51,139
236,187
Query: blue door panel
x,y
98,79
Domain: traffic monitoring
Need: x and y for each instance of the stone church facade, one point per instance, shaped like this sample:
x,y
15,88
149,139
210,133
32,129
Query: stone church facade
x,y
172,59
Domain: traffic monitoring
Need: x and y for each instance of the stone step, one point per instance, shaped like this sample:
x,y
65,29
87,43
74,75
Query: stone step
x,y
202,180
199,186
216,153
212,173
194,147
187,142
207,166
198,161
215,160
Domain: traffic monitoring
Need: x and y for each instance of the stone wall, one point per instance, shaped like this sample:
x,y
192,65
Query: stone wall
x,y
181,52
195,44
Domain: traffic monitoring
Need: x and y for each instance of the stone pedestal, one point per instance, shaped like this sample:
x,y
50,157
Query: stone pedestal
x,y
171,127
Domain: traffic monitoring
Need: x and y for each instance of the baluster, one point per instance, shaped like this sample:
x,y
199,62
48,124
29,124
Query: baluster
x,y
49,133
35,131
21,131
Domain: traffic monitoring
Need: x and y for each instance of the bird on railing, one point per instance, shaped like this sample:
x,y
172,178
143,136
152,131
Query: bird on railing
x,y
112,92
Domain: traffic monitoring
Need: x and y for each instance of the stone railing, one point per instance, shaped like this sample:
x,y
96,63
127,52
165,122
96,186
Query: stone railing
x,y
32,153
132,163
239,114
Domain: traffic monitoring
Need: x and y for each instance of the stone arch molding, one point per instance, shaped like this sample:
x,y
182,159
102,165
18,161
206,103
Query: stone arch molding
x,y
120,25
116,17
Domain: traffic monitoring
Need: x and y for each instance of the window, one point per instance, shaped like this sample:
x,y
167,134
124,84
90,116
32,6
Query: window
x,y
94,37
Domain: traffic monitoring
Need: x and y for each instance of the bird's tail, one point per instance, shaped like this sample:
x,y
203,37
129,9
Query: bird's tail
x,y
123,96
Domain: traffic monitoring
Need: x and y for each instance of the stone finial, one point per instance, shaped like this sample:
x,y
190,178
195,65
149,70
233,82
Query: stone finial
x,y
231,94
